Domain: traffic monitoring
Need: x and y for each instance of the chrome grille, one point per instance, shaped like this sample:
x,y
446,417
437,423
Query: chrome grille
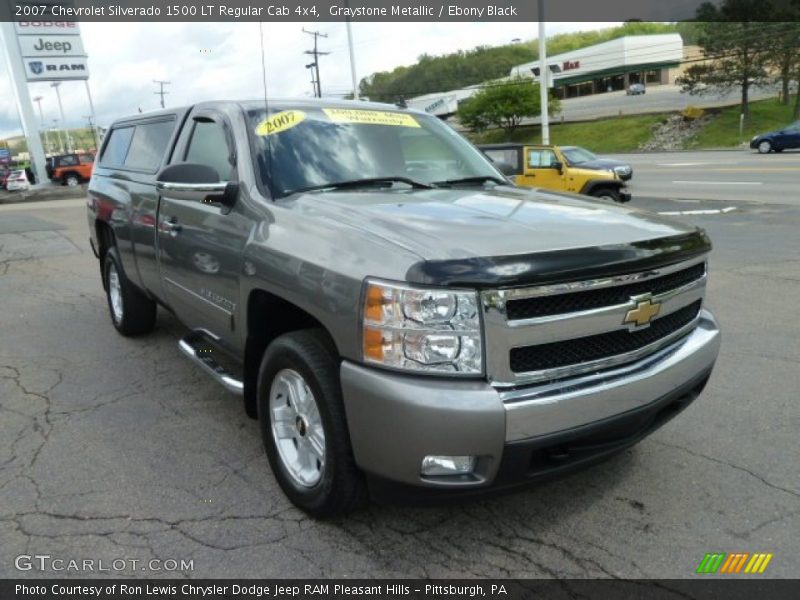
x,y
551,332
528,308
603,345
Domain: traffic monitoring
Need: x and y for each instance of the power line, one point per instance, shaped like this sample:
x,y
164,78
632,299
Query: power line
x,y
161,91
316,54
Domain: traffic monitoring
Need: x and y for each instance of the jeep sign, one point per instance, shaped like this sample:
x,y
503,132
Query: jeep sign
x,y
37,46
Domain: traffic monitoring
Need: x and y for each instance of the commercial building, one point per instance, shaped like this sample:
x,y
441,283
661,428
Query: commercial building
x,y
612,66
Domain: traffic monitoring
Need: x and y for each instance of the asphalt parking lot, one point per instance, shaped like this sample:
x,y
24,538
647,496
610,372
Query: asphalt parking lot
x,y
120,448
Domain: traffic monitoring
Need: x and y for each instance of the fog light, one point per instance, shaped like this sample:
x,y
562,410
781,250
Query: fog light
x,y
448,465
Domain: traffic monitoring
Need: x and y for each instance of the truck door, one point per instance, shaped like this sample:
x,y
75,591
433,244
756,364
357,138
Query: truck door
x,y
540,170
200,243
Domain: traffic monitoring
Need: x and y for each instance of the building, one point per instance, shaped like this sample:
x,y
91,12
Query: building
x,y
612,66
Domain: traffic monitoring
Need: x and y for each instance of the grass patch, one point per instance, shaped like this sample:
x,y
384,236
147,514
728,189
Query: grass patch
x,y
617,134
723,130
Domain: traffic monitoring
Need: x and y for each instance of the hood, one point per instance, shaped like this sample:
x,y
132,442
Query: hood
x,y
601,163
459,224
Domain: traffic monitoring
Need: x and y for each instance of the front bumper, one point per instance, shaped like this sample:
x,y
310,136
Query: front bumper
x,y
522,435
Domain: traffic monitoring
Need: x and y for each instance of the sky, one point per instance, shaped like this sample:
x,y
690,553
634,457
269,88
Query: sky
x,y
217,61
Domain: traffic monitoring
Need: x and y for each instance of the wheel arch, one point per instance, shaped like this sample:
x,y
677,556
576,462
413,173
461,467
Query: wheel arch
x,y
270,316
595,184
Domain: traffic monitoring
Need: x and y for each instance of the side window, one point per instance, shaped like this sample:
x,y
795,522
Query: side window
x,y
509,156
209,146
69,160
150,141
534,159
541,159
87,159
116,147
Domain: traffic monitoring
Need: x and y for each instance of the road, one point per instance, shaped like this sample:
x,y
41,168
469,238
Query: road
x,y
740,175
120,448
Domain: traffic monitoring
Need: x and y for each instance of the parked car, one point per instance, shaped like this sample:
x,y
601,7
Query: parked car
x,y
397,329
548,167
636,89
70,169
581,157
4,173
777,141
17,181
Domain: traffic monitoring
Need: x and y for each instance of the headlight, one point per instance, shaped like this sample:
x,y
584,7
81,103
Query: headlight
x,y
422,329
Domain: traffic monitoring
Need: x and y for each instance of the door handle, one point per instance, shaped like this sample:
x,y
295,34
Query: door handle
x,y
172,226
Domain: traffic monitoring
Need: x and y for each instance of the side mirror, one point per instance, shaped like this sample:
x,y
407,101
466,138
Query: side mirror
x,y
191,181
505,168
558,166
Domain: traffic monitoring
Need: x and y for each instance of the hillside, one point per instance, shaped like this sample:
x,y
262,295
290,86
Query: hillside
x,y
483,63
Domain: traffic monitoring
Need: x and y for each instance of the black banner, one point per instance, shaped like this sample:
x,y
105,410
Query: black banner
x,y
354,10
412,589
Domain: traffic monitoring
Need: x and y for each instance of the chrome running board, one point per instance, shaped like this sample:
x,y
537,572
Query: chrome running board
x,y
199,347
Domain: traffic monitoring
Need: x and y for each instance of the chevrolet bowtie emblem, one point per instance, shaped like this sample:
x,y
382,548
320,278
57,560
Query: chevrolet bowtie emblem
x,y
644,312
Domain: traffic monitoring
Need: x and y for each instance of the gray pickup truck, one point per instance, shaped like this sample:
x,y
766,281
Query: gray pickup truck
x,y
399,317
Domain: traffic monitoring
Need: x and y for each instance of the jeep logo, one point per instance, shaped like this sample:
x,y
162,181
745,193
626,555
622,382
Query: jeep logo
x,y
63,47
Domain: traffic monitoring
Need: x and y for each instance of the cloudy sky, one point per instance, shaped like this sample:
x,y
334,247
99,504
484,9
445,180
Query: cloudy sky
x,y
206,61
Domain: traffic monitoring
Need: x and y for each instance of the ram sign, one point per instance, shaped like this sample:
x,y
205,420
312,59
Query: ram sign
x,y
55,68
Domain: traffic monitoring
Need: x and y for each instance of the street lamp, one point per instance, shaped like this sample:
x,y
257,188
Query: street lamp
x,y
61,110
58,134
38,100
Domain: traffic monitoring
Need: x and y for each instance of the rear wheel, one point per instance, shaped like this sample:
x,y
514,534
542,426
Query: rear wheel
x,y
303,425
607,194
132,312
71,180
764,147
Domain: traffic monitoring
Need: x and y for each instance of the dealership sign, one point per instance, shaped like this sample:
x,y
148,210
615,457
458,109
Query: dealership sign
x,y
47,28
51,50
5,156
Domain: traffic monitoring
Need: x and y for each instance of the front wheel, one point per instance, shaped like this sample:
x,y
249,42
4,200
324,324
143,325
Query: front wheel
x,y
607,194
71,180
764,147
303,425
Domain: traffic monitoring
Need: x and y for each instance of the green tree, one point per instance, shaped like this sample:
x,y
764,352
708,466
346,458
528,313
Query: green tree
x,y
737,46
504,105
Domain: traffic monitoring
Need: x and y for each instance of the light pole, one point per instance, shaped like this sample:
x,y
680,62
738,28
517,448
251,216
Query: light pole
x,y
544,74
58,135
38,100
352,57
61,110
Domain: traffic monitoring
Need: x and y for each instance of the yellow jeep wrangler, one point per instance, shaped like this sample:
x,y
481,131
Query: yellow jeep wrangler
x,y
546,167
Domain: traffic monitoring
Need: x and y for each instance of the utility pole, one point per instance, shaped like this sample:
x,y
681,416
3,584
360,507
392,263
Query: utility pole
x,y
316,53
63,120
544,76
161,91
38,100
311,66
90,120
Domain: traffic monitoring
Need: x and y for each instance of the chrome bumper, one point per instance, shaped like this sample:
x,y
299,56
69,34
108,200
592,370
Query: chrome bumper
x,y
396,420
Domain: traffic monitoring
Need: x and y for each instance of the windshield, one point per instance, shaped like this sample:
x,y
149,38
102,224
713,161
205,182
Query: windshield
x,y
297,149
577,155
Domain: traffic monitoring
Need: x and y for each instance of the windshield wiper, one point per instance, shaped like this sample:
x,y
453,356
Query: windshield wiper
x,y
367,181
472,180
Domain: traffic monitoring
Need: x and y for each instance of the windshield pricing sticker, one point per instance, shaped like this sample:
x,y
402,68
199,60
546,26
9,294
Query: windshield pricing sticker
x,y
280,122
370,117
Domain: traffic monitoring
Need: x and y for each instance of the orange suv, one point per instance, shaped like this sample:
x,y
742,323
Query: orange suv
x,y
70,169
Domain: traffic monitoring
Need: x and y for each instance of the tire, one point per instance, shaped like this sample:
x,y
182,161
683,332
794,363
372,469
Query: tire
x,y
132,313
299,397
71,180
764,147
606,193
